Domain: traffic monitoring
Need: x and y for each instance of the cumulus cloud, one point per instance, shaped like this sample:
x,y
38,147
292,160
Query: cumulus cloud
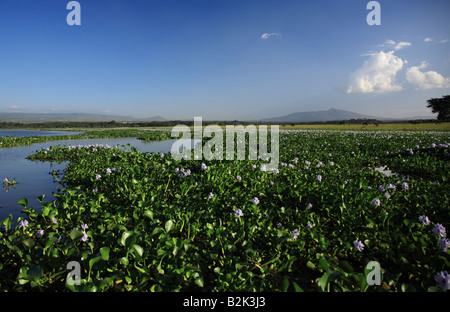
x,y
377,74
266,36
426,80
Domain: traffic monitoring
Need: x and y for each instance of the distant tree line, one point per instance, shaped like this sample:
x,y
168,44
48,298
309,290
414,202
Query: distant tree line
x,y
172,123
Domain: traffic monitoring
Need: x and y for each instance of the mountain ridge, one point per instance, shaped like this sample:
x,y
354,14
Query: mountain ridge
x,y
331,114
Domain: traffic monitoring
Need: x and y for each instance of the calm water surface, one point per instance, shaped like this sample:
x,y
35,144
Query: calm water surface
x,y
34,177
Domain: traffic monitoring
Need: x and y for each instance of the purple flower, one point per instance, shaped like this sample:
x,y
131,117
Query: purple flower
x,y
39,233
203,166
439,229
381,188
23,223
239,178
294,234
97,177
376,202
443,280
310,225
309,206
84,226
108,171
210,196
390,186
359,245
444,243
387,195
85,237
54,221
279,225
255,201
424,220
319,178
405,186
238,213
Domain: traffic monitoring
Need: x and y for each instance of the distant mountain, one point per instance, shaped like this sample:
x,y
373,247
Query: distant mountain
x,y
61,117
323,115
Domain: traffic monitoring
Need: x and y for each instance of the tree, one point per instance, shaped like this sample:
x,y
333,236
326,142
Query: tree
x,y
441,106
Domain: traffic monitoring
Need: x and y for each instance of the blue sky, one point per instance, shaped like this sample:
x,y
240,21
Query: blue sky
x,y
223,59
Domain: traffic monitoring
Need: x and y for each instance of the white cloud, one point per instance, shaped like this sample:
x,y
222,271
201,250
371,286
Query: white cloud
x,y
426,80
428,39
443,41
396,46
14,107
106,111
377,74
266,36
401,45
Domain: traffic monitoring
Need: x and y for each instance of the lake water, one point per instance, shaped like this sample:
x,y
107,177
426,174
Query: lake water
x,y
34,177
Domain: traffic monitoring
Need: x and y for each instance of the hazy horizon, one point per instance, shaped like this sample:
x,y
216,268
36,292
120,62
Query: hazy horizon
x,y
223,60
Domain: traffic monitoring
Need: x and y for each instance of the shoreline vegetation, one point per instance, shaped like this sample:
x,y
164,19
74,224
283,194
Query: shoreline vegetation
x,y
133,221
354,124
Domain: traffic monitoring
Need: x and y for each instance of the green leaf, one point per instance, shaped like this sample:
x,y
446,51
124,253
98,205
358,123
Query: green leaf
x,y
199,281
75,234
124,261
323,282
125,235
284,285
169,226
297,288
104,251
29,242
138,249
148,214
23,202
323,264
93,261
310,265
